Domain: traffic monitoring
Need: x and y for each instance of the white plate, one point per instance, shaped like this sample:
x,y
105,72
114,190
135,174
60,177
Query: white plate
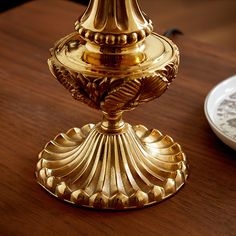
x,y
220,111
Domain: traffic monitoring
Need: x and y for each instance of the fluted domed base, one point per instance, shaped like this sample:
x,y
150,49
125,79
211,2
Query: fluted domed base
x,y
131,169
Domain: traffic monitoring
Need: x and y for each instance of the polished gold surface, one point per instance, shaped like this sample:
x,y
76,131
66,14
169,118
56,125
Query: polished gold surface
x,y
113,63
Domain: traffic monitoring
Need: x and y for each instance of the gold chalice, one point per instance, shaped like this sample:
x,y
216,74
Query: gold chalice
x,y
113,62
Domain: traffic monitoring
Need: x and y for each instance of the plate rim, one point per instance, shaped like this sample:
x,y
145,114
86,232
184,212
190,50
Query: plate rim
x,y
209,119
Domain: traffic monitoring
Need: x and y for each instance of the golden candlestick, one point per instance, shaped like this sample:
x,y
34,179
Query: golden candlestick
x,y
113,62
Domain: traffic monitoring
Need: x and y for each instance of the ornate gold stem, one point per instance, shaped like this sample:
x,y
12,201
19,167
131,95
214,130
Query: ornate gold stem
x,y
113,63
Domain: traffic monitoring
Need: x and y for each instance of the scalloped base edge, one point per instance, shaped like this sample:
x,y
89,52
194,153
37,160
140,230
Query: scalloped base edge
x,y
132,169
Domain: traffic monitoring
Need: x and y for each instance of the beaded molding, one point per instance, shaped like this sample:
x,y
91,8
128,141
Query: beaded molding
x,y
123,39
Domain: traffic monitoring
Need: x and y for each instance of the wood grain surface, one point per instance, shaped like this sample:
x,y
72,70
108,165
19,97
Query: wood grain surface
x,y
34,108
205,20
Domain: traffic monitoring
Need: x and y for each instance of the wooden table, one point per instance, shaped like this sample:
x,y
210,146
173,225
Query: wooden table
x,y
34,108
